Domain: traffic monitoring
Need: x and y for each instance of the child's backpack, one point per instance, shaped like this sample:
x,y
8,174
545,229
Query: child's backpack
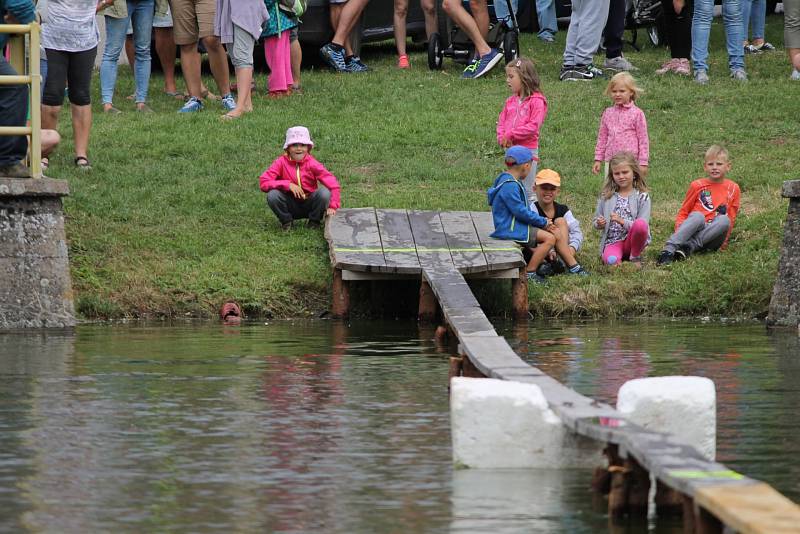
x,y
293,8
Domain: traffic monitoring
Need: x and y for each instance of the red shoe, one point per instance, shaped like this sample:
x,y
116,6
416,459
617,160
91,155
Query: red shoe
x,y
402,62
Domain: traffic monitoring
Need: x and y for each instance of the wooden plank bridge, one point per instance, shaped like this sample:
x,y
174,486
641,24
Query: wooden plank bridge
x,y
441,249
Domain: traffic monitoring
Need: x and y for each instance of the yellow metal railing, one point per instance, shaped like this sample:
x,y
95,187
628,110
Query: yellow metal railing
x,y
32,78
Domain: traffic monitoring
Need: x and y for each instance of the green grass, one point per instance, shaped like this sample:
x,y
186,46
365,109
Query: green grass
x,y
170,221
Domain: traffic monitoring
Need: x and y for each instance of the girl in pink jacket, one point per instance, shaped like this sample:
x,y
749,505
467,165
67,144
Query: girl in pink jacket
x,y
523,114
297,185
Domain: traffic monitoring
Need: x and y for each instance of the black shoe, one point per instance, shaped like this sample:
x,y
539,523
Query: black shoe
x,y
565,71
665,258
545,269
682,253
579,73
15,170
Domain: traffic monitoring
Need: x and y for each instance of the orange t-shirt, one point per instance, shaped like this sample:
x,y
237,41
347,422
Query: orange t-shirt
x,y
706,196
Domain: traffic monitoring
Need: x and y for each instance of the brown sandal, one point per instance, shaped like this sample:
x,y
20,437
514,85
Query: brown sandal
x,y
82,162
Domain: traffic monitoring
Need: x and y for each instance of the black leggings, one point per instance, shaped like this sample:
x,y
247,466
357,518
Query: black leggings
x,y
68,69
679,29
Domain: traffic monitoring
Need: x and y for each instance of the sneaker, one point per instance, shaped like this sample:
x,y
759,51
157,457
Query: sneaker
x,y
766,47
665,258
581,73
546,38
619,63
487,62
566,71
536,278
228,103
15,170
192,105
333,55
701,77
578,270
402,62
598,73
354,64
667,66
750,49
469,72
795,75
739,75
682,253
682,67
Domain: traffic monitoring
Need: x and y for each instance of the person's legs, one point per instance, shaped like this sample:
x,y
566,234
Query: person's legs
x,y
278,55
297,58
712,236
693,224
501,11
612,254
467,23
242,58
190,66
185,33
431,17
316,204
79,78
701,30
141,14
636,240
336,13
562,242
13,111
400,14
281,205
791,34
166,50
548,24
747,9
115,39
615,28
758,19
573,31
546,241
217,57
593,19
53,94
50,140
347,20
732,19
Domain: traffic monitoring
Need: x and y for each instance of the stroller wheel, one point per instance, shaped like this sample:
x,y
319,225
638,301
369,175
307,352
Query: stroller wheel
x,y
511,46
435,53
655,35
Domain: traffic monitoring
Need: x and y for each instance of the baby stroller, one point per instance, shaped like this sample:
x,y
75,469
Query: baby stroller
x,y
647,14
503,35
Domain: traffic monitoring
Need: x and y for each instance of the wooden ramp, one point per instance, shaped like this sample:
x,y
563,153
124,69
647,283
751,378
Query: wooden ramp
x,y
444,247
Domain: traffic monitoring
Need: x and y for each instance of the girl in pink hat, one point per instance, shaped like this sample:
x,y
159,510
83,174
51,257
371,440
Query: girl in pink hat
x,y
297,185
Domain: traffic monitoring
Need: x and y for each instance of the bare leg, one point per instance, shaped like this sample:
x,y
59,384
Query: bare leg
x,y
190,65
546,242
50,117
347,20
465,21
297,61
81,127
165,48
50,140
218,60
336,13
562,243
400,14
481,15
431,18
244,76
794,57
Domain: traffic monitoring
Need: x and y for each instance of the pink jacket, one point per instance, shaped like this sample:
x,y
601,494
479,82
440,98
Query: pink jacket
x,y
520,120
309,173
622,128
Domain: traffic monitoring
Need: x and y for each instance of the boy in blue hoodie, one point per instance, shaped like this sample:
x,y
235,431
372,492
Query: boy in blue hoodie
x,y
513,219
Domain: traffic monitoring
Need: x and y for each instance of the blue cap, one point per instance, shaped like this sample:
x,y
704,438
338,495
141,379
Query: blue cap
x,y
519,154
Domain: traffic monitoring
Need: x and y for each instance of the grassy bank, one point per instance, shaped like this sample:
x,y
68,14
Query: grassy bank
x,y
171,221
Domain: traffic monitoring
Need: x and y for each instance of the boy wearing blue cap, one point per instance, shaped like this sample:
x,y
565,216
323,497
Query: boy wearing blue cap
x,y
513,219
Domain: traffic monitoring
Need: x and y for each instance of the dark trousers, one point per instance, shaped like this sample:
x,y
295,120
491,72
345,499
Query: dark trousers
x,y
13,112
615,28
679,29
287,208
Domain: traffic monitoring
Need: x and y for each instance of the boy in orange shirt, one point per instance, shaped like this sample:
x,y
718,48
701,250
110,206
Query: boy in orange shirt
x,y
708,212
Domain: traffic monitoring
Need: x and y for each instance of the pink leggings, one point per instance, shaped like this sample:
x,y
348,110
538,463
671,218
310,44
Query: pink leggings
x,y
631,247
279,58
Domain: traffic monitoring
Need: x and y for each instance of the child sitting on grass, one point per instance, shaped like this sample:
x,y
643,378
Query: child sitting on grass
x,y
568,230
708,212
297,185
512,217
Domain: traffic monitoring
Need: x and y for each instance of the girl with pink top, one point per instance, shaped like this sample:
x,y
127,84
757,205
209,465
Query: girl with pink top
x,y
622,126
297,185
523,114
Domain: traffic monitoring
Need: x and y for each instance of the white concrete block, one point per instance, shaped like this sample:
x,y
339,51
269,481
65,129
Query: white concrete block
x,y
685,406
504,424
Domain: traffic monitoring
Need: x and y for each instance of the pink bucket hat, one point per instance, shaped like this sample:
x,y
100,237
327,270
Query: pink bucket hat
x,y
297,134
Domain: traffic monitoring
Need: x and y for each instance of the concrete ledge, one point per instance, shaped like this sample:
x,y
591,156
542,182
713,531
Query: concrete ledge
x,y
28,187
791,189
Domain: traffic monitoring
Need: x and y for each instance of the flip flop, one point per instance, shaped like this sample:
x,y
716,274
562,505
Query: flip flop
x,y
176,94
82,162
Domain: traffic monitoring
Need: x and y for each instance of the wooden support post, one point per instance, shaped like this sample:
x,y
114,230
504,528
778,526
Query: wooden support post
x,y
427,303
688,514
455,367
669,502
469,370
618,484
519,295
706,523
638,489
340,305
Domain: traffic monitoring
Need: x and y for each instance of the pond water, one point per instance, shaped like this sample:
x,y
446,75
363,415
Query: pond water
x,y
325,427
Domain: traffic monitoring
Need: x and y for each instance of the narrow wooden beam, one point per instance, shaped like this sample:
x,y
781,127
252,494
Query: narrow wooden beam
x,y
519,295
427,303
340,305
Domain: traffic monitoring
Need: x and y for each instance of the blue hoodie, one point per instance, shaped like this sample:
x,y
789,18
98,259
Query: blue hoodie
x,y
509,204
23,10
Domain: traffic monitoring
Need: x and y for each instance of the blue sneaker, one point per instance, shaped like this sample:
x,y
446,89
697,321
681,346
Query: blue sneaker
x,y
487,62
536,278
228,103
469,72
192,105
354,64
334,56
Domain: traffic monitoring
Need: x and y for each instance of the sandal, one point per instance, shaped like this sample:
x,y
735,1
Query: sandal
x,y
82,162
45,163
176,94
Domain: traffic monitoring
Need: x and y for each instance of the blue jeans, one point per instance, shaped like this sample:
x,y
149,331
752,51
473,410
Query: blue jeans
x,y
501,10
546,13
141,16
13,112
754,13
701,30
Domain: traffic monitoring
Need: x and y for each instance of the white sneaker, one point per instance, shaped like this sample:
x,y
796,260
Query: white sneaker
x,y
618,63
701,77
795,75
739,75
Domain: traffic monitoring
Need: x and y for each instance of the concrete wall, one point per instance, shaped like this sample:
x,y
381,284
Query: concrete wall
x,y
784,306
